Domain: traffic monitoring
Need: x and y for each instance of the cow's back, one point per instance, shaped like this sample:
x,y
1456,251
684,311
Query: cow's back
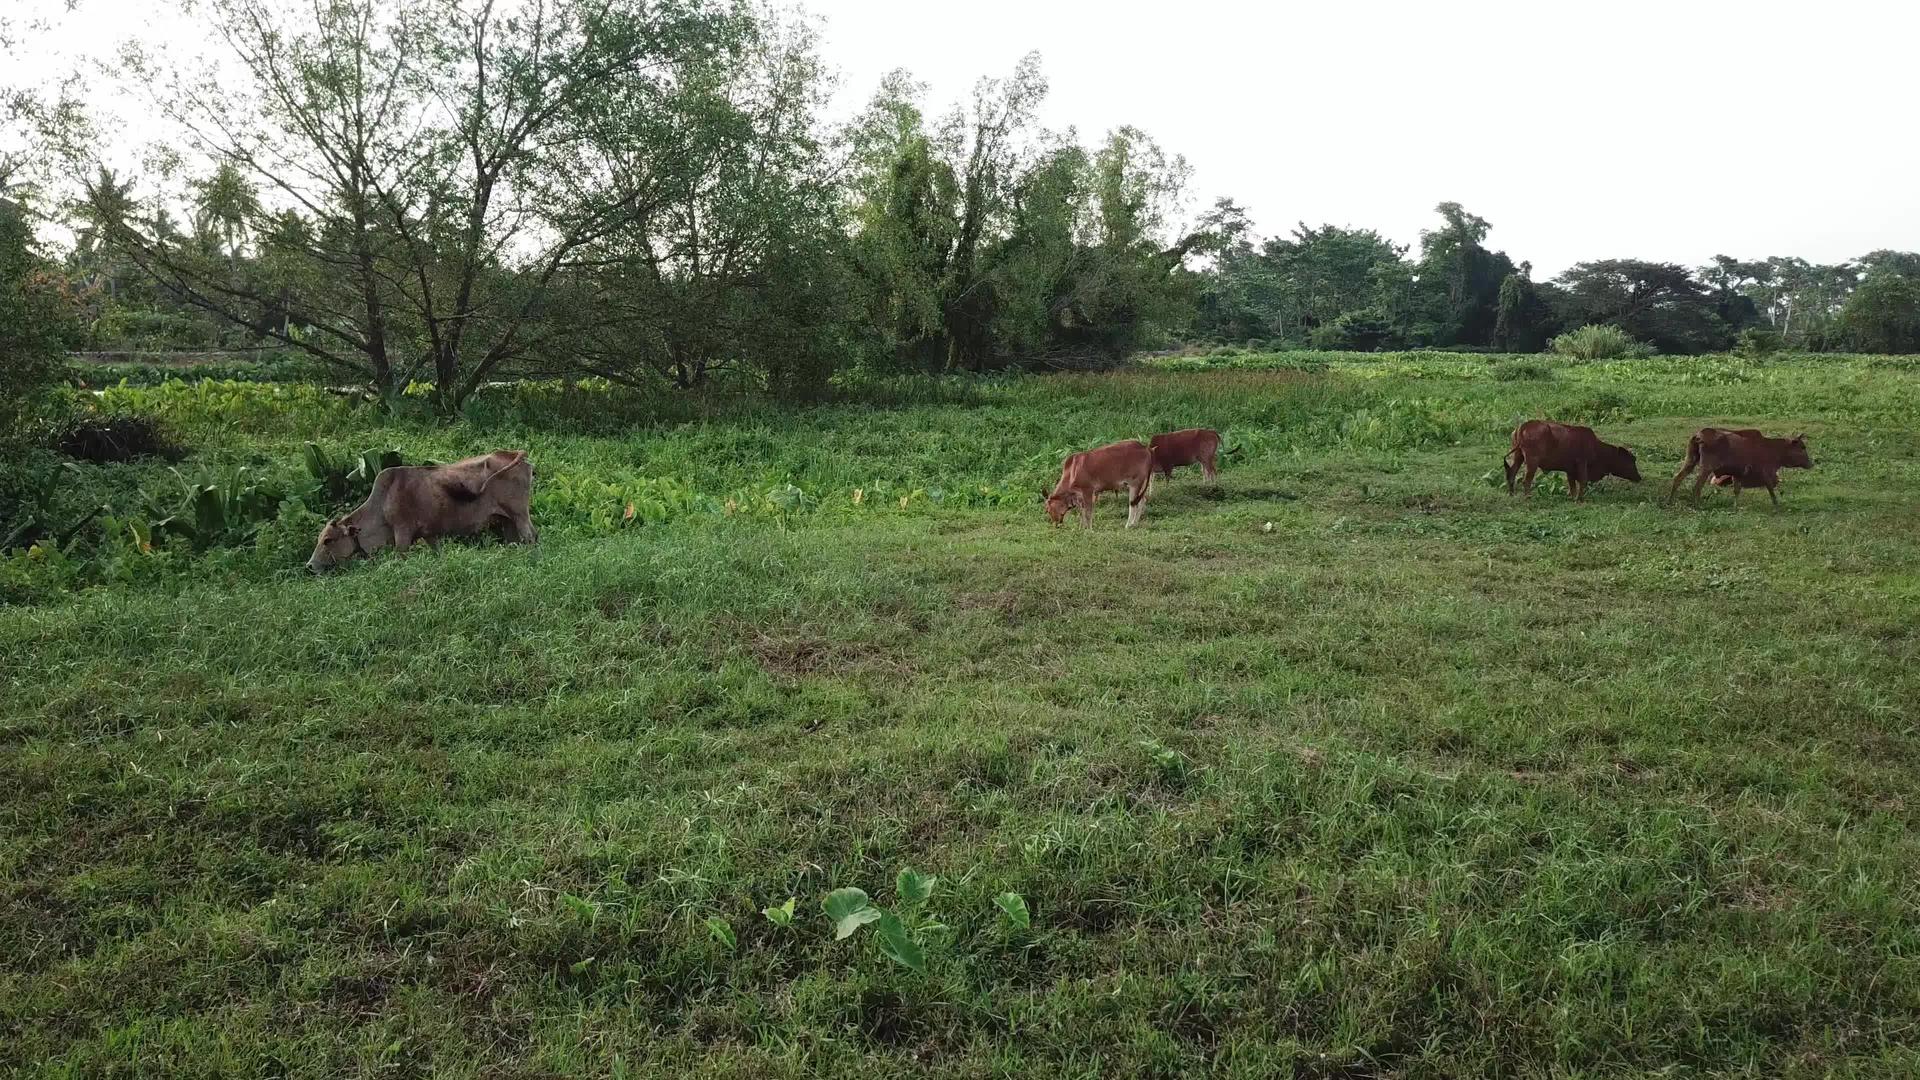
x,y
460,497
1555,446
1185,447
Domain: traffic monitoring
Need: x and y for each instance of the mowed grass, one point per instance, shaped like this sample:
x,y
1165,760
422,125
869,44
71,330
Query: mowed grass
x,y
1423,781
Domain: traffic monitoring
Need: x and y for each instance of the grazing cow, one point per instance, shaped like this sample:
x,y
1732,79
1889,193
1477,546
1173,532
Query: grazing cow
x,y
1085,475
1542,445
1194,446
427,502
1742,457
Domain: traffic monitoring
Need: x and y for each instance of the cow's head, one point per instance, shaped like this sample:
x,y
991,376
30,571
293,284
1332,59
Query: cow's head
x,y
1620,463
339,542
1057,507
1796,454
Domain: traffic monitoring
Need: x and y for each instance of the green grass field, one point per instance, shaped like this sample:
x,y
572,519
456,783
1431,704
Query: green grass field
x,y
1423,781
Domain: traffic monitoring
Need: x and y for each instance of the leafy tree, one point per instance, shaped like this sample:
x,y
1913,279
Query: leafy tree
x,y
983,241
1807,298
1460,280
435,170
1362,330
1658,303
1904,263
1883,314
36,320
742,262
1525,320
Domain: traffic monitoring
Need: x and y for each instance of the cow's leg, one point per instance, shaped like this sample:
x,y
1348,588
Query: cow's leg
x,y
1774,496
1211,467
1086,509
1136,504
1738,487
1698,483
1685,468
1512,462
403,538
523,530
1526,482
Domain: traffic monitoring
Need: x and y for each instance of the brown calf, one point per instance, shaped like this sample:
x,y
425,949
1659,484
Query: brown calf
x,y
1085,475
1542,445
1194,446
1742,457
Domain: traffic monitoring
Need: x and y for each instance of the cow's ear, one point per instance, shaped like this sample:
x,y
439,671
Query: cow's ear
x,y
353,530
1800,438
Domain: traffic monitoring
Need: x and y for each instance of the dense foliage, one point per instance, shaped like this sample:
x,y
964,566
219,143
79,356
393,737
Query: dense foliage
x,y
1334,287
448,193
36,320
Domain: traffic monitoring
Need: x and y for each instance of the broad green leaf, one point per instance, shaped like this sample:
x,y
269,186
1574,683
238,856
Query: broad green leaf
x,y
850,910
897,943
1014,906
780,916
580,966
913,886
722,932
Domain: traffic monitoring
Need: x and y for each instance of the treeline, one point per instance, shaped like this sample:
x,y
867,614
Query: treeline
x,y
452,192
1343,288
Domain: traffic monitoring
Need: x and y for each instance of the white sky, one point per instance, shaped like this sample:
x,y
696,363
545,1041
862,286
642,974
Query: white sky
x,y
1581,129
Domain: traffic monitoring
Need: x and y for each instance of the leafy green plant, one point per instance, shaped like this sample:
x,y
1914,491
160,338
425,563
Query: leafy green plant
x,y
781,916
1757,341
897,937
212,510
1598,342
1013,908
1521,371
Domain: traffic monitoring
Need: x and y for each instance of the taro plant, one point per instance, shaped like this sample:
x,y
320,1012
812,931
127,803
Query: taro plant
x,y
336,477
213,511
898,934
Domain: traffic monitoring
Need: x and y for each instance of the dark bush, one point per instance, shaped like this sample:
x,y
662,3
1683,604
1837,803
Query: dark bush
x,y
119,437
1754,341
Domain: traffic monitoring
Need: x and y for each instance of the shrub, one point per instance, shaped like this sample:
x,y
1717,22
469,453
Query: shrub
x,y
1754,341
1365,330
1520,370
1598,342
115,437
37,323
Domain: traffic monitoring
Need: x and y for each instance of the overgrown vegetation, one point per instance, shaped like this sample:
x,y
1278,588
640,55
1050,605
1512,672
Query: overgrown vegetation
x,y
1597,342
1357,765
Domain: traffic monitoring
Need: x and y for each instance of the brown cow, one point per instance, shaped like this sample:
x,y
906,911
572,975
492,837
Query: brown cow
x,y
1085,475
1542,445
427,502
1742,457
1194,446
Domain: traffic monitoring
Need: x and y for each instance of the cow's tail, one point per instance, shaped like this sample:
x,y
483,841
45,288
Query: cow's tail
x,y
1137,494
1513,461
517,456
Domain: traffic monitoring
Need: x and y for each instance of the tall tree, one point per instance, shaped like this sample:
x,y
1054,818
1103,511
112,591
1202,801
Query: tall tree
x,y
1461,278
1659,303
1883,314
1526,319
444,159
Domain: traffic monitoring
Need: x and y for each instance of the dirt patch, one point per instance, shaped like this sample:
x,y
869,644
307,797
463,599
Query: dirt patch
x,y
794,655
